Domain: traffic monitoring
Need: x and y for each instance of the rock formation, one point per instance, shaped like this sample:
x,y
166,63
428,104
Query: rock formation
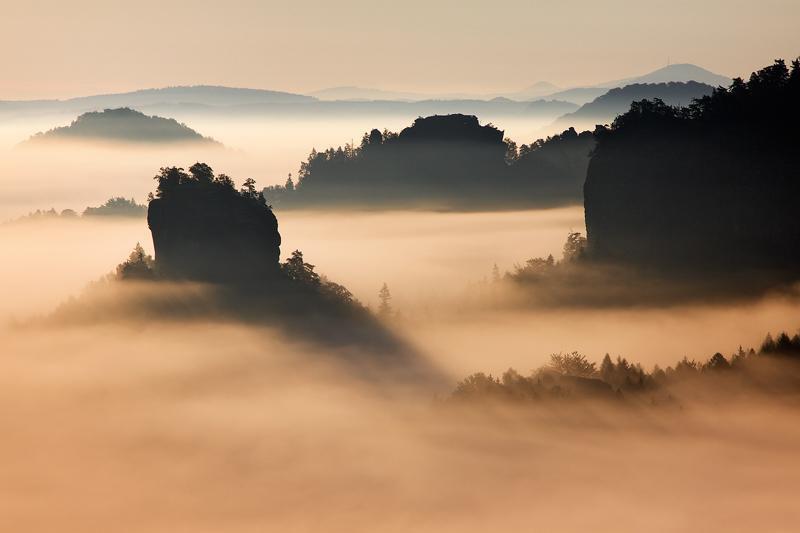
x,y
710,189
205,230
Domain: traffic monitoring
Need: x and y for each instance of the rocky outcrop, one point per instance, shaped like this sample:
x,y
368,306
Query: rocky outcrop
x,y
709,190
210,232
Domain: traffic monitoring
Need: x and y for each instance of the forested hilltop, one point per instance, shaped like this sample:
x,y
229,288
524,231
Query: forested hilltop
x,y
448,162
606,107
124,125
707,189
695,203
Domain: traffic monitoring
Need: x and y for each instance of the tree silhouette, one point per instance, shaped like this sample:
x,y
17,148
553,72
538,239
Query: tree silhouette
x,y
572,364
298,270
384,296
574,247
201,172
138,266
495,273
249,188
446,159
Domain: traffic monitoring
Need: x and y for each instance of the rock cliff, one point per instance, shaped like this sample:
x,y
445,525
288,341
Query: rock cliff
x,y
205,230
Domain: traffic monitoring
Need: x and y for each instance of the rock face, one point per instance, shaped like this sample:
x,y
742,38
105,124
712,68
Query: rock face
x,y
709,190
207,231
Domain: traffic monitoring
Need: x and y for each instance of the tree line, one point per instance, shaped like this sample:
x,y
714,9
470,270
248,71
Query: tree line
x,y
449,161
773,368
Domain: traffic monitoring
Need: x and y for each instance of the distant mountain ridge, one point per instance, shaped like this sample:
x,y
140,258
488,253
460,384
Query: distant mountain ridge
x,y
603,109
205,95
214,95
124,125
683,72
361,94
194,94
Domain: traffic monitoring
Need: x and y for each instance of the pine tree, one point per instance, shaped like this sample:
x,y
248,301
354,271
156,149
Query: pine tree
x,y
385,308
495,273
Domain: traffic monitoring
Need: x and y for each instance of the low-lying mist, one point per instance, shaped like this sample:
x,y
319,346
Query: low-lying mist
x,y
434,264
151,423
205,427
266,149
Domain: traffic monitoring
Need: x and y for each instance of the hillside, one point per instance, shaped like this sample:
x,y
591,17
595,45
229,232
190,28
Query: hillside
x,y
124,125
673,73
603,109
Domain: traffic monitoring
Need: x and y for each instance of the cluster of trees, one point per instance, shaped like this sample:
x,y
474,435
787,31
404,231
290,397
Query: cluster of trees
x,y
782,345
174,180
446,161
707,189
139,266
298,271
604,108
45,214
776,364
540,269
117,206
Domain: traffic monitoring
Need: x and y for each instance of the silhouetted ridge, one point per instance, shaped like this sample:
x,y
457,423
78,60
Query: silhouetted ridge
x,y
452,128
126,125
449,161
712,187
604,108
204,229
677,72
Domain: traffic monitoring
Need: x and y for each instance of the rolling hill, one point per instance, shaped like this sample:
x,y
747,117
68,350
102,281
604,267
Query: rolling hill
x,y
123,125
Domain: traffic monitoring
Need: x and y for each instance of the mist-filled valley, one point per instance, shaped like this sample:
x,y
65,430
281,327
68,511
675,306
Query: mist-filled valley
x,y
243,296
74,175
216,424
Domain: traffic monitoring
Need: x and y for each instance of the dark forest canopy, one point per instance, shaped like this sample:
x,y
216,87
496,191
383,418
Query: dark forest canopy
x,y
449,162
705,189
124,125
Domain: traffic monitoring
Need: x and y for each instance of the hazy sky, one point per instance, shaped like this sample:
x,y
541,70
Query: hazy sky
x,y
57,48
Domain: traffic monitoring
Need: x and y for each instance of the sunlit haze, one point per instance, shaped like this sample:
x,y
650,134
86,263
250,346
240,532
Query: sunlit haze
x,y
53,49
412,266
